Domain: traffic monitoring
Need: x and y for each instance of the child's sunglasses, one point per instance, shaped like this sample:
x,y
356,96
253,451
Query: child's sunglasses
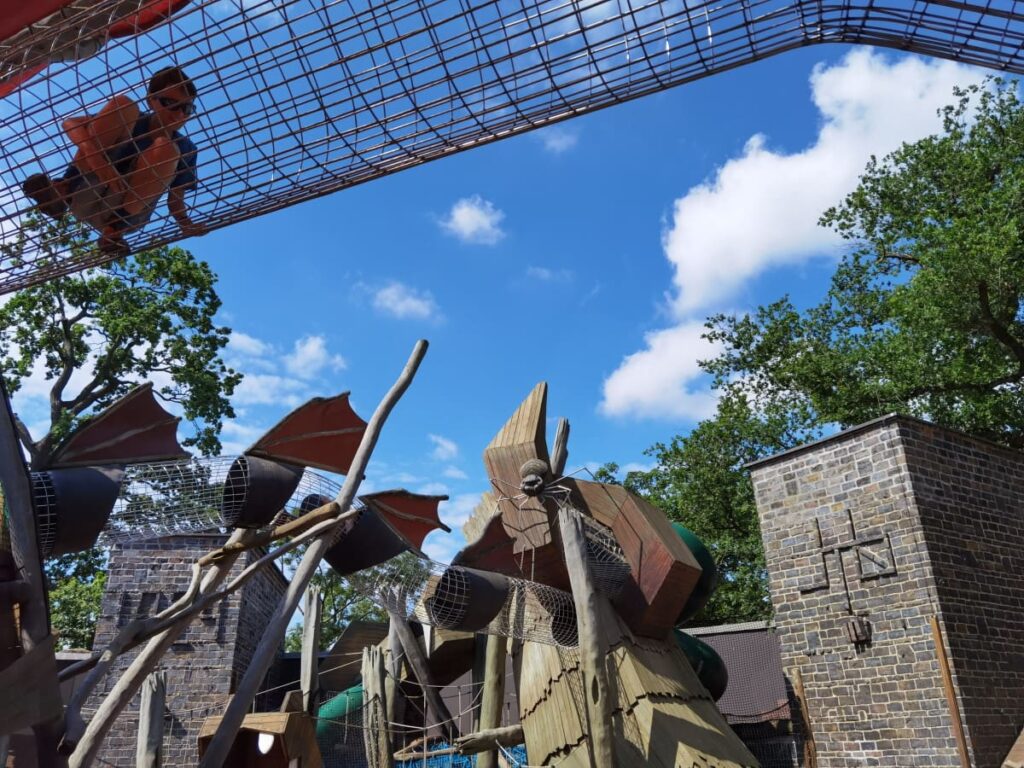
x,y
185,107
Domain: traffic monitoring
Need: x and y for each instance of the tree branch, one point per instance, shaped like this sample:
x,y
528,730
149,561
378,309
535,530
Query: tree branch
x,y
999,331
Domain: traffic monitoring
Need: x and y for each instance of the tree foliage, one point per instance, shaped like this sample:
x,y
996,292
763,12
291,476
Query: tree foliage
x,y
149,316
924,313
923,316
356,597
97,334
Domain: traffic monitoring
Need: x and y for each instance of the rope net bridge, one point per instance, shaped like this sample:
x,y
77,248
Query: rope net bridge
x,y
300,98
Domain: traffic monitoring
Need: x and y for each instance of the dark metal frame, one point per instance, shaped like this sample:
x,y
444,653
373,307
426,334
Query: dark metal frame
x,y
301,98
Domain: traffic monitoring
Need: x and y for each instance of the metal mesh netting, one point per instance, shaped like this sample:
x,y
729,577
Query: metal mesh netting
x,y
453,597
165,498
298,98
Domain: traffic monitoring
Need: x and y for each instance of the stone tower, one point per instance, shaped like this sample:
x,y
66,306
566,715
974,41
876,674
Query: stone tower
x,y
876,537
205,663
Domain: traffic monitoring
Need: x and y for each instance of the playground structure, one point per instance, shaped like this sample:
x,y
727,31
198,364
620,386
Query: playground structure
x,y
301,98
583,585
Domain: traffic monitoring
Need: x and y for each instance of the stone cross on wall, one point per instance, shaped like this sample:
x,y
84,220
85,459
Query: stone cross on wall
x,y
872,555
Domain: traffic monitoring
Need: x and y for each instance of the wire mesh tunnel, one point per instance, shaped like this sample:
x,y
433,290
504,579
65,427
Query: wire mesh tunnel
x,y
299,98
154,499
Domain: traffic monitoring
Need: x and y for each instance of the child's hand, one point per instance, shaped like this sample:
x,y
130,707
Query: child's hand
x,y
191,229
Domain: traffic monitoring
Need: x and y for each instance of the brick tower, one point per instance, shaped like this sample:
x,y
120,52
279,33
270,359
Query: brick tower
x,y
204,664
871,533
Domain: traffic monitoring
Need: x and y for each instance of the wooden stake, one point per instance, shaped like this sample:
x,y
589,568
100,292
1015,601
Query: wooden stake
x,y
220,744
309,672
34,615
418,662
483,740
597,692
947,683
385,749
392,691
494,694
151,722
810,748
560,448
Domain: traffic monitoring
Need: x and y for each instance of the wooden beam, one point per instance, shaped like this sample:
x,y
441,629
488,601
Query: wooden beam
x,y
266,651
947,684
309,672
414,655
560,448
494,694
149,748
490,739
810,748
34,614
392,690
23,702
597,692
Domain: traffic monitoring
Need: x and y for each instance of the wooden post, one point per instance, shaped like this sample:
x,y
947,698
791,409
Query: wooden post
x,y
34,614
309,672
151,722
560,448
597,692
392,690
810,748
494,694
384,746
416,659
220,744
947,684
369,737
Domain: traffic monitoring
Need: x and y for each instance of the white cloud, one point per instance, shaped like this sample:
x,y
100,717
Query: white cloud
x,y
474,220
456,511
236,437
401,301
244,344
760,211
455,473
558,138
433,489
549,275
310,356
442,547
444,449
268,389
660,380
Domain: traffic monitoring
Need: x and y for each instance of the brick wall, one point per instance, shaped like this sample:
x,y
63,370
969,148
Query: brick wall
x,y
894,522
202,667
882,704
970,495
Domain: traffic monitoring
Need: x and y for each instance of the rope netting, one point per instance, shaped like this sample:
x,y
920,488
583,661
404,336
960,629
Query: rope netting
x,y
299,98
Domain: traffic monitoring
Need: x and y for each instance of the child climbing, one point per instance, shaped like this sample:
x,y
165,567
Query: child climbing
x,y
125,162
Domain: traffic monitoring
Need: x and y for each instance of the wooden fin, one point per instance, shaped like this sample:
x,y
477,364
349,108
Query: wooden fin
x,y
527,520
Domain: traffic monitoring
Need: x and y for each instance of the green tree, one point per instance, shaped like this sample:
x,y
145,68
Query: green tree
x,y
923,316
98,334
357,597
924,312
699,480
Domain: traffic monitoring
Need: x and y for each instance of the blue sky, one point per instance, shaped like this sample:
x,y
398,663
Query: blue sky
x,y
587,254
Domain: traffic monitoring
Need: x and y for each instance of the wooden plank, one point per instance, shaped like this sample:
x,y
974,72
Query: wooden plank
x,y
597,691
947,684
149,746
28,690
309,677
810,748
33,612
1015,759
